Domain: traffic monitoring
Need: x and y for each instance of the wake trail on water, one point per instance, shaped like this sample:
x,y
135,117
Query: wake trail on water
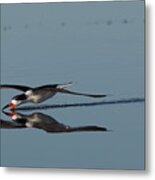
x,y
90,104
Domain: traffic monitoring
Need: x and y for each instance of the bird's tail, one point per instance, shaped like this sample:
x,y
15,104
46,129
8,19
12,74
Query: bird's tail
x,y
64,85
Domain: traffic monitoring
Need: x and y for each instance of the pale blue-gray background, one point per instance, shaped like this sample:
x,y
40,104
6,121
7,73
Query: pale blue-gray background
x,y
100,47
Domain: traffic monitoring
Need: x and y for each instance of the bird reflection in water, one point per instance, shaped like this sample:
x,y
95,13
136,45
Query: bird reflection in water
x,y
43,121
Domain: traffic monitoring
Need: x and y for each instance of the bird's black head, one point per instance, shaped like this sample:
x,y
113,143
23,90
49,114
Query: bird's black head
x,y
19,97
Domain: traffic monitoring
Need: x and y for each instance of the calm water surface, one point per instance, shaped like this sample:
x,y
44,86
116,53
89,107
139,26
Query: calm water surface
x,y
100,47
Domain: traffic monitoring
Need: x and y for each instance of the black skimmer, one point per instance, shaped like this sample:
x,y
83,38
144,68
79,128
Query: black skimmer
x,y
41,93
46,123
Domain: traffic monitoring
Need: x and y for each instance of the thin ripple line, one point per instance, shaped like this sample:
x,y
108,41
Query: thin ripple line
x,y
110,102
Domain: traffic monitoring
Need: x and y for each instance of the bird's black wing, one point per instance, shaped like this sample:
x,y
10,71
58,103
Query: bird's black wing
x,y
85,128
81,94
18,87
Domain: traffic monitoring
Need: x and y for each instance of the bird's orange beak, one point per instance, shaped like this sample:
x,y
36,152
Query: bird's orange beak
x,y
11,105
